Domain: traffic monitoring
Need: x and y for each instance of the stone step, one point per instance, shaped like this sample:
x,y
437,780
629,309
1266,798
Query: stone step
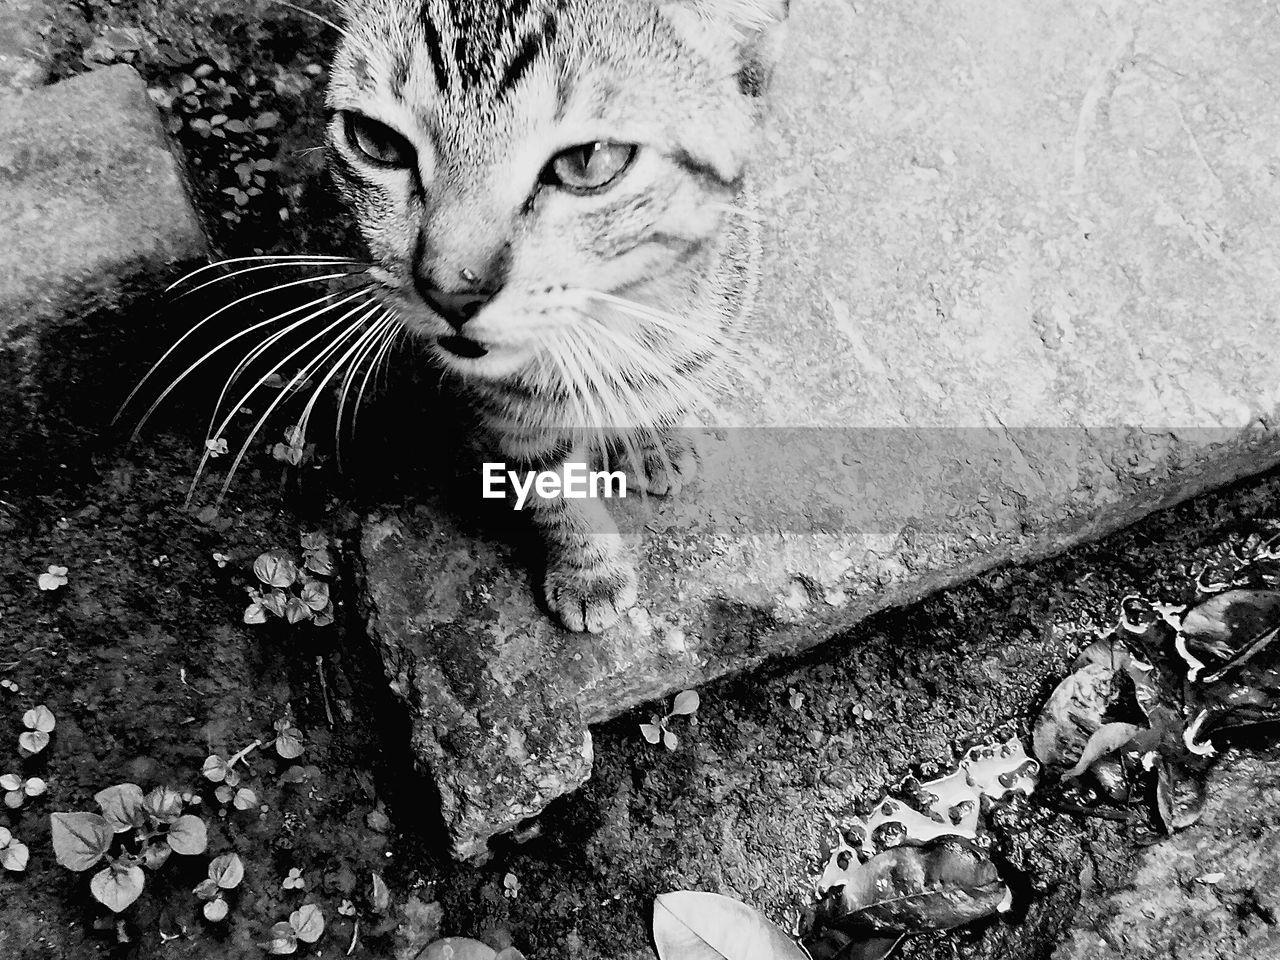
x,y
94,217
1021,289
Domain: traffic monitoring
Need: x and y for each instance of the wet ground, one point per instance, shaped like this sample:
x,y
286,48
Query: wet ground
x,y
144,661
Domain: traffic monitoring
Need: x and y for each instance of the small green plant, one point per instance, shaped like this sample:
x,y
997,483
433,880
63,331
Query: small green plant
x,y
18,790
295,880
13,853
305,925
53,578
293,591
225,873
656,731
133,831
39,722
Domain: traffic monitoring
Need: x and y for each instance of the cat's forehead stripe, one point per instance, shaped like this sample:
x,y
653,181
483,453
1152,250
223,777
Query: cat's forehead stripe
x,y
477,41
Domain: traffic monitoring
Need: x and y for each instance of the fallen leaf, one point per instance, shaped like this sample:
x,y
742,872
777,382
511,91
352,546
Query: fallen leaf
x,y
1180,795
1107,739
706,926
1072,713
907,889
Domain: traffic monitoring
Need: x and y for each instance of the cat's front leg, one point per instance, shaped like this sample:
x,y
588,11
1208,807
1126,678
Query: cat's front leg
x,y
590,579
670,461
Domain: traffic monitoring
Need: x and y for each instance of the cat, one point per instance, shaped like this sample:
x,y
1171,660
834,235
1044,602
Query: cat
x,y
553,196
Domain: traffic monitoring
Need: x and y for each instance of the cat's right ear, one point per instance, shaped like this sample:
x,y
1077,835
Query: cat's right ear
x,y
751,29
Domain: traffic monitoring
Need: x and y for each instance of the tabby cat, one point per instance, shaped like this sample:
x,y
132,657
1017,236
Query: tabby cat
x,y
553,196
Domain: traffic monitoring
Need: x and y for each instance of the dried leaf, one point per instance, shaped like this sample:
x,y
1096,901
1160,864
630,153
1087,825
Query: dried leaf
x,y
1072,713
1180,795
380,897
1107,739
705,926
906,889
1225,624
80,840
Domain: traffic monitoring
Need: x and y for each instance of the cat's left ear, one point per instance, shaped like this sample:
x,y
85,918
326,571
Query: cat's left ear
x,y
753,28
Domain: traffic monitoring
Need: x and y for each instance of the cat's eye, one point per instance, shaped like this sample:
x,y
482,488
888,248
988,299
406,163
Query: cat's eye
x,y
589,167
377,142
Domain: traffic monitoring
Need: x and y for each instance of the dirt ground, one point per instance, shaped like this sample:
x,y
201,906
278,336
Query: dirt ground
x,y
144,661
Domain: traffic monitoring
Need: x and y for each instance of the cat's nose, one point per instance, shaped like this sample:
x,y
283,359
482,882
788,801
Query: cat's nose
x,y
455,308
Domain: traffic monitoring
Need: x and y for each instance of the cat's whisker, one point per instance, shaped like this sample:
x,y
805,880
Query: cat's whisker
x,y
341,31
348,380
191,332
299,258
301,377
371,334
397,334
283,265
222,426
177,381
271,341
628,431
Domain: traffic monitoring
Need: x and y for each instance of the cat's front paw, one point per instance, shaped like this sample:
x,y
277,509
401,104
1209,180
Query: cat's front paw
x,y
669,464
590,598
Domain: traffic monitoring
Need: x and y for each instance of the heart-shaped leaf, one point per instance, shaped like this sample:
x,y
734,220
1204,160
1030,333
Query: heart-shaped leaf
x,y
215,769
188,835
215,910
32,742
122,805
14,856
39,719
80,839
116,887
10,781
650,732
686,703
163,804
245,799
307,922
227,871
275,569
706,926
289,743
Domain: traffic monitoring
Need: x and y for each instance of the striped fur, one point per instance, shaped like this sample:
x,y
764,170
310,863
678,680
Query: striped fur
x,y
614,312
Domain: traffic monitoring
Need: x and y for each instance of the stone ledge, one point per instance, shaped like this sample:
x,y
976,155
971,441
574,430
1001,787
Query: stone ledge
x,y
1017,294
94,215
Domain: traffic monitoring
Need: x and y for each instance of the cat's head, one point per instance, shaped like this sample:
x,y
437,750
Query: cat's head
x,y
512,164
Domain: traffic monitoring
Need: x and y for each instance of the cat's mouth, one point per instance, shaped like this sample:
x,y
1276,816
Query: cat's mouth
x,y
464,347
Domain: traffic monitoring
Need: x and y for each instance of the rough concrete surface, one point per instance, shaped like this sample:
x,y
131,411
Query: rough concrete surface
x,y
93,214
24,62
1022,267
1210,892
